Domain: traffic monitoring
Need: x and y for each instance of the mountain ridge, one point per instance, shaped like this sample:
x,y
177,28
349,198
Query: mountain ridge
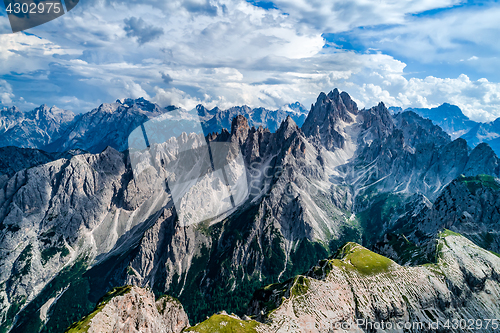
x,y
347,176
452,120
110,124
356,290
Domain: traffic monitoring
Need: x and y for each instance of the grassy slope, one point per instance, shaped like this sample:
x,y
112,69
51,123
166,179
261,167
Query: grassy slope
x,y
479,181
220,323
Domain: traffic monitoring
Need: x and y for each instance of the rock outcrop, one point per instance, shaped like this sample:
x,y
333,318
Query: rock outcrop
x,y
360,291
355,290
132,310
469,206
216,119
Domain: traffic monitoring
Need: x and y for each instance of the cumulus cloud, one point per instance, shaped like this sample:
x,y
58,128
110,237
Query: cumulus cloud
x,y
6,94
136,27
454,35
167,79
200,7
478,99
344,15
230,52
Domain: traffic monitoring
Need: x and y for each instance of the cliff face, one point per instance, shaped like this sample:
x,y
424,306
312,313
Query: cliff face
x,y
358,289
468,205
133,310
57,219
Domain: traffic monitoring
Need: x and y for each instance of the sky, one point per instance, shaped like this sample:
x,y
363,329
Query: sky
x,y
407,53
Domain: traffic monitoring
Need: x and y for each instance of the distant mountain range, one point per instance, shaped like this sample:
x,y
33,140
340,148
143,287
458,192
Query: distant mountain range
x,y
354,215
452,120
57,130
33,129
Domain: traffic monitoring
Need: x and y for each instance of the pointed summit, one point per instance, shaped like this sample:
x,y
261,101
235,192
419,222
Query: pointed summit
x,y
330,108
287,127
240,128
378,121
349,103
329,112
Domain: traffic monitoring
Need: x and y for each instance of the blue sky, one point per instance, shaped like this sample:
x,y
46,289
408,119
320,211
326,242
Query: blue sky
x,y
408,53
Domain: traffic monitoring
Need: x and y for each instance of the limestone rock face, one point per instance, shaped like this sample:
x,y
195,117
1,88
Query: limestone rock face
x,y
240,128
134,310
355,290
358,287
326,116
468,205
65,213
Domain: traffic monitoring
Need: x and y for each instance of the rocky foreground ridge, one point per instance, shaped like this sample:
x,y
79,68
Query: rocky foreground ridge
x,y
354,291
131,309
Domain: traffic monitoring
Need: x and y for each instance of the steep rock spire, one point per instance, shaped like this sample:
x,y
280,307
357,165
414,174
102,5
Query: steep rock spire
x,y
326,114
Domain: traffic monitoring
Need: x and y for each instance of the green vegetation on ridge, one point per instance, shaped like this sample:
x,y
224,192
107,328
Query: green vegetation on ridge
x,y
479,181
84,324
220,323
363,260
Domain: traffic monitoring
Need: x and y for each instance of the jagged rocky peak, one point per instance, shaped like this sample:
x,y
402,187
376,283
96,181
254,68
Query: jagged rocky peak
x,y
12,109
288,126
297,107
240,128
32,129
328,117
449,117
348,102
43,115
133,310
329,109
379,120
418,130
52,114
482,159
140,105
143,105
204,112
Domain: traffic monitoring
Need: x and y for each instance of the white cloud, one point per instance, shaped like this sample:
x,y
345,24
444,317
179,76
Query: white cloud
x,y
226,53
450,36
344,15
479,100
6,94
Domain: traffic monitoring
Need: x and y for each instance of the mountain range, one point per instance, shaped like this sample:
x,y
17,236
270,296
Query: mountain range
x,y
452,120
57,130
33,129
350,215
